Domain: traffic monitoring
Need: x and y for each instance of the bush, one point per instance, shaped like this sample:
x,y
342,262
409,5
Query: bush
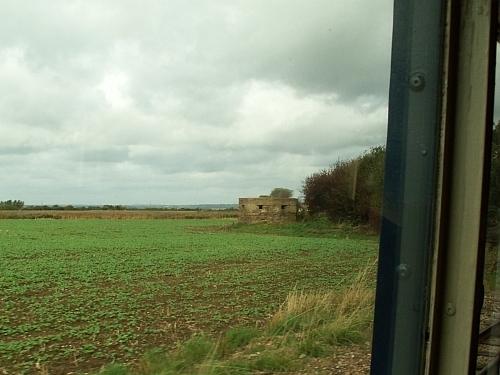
x,y
330,192
370,186
348,191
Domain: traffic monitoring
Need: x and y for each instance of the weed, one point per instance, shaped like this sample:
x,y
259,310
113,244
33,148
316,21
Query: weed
x,y
114,369
343,332
154,361
312,345
194,351
237,337
273,361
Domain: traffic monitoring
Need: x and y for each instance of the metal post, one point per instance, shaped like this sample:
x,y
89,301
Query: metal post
x,y
410,186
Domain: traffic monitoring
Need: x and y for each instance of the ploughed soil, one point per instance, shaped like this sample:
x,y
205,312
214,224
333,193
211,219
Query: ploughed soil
x,y
348,360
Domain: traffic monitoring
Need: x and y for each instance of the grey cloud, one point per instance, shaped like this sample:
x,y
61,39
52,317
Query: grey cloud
x,y
200,159
342,48
18,150
317,46
182,101
103,154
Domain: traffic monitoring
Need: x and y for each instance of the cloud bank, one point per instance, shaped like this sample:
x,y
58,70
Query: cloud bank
x,y
175,102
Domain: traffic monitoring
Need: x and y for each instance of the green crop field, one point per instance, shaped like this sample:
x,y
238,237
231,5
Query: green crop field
x,y
78,294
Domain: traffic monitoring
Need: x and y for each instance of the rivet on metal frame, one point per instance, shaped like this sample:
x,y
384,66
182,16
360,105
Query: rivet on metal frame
x,y
450,309
403,271
417,81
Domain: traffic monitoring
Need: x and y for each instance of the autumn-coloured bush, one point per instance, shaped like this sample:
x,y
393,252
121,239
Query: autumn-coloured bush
x,y
350,190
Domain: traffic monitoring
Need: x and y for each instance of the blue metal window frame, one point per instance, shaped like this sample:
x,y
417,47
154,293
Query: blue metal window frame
x,y
410,184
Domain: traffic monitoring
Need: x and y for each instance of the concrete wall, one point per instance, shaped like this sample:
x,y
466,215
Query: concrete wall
x,y
267,210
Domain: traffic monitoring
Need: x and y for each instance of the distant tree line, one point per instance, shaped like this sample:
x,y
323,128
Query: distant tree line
x,y
112,207
350,190
11,205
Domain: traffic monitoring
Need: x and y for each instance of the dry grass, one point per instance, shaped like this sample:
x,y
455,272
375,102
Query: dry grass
x,y
317,321
309,310
117,214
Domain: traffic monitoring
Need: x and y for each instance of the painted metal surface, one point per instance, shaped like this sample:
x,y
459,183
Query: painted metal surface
x,y
410,185
460,243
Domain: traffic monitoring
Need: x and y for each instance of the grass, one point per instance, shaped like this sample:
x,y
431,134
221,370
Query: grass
x,y
307,325
238,337
309,310
78,294
320,228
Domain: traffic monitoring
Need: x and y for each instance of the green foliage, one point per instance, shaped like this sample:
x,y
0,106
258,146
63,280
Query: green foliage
x,y
331,192
312,346
11,205
281,193
237,337
98,291
278,361
113,207
193,351
114,369
229,367
103,290
154,361
370,186
312,227
345,333
350,190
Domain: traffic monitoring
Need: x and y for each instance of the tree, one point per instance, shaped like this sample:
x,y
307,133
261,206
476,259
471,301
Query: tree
x,y
281,193
11,205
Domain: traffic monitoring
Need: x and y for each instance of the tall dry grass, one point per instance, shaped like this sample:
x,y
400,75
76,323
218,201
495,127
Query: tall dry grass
x,y
117,214
314,307
328,317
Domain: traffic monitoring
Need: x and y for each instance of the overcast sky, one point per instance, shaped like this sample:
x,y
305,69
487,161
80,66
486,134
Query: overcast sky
x,y
178,102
